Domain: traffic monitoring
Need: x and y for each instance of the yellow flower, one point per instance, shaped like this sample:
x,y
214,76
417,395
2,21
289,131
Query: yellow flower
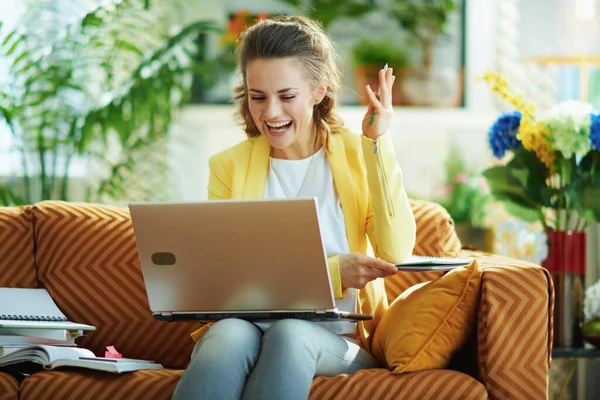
x,y
536,137
533,134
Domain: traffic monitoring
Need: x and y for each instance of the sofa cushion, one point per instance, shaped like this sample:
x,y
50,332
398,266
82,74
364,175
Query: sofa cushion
x,y
382,384
17,262
431,321
79,384
87,259
436,237
71,384
9,387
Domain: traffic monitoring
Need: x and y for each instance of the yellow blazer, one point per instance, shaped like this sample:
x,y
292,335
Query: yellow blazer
x,y
368,181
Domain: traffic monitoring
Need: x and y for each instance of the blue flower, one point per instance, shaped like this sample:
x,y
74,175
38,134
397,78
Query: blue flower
x,y
595,131
503,134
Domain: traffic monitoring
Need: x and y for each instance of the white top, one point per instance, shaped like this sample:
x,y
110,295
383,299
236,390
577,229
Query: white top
x,y
285,179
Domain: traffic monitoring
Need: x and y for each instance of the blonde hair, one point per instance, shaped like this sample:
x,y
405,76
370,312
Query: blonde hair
x,y
303,39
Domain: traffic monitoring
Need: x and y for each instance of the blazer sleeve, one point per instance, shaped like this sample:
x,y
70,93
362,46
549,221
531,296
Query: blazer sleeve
x,y
391,226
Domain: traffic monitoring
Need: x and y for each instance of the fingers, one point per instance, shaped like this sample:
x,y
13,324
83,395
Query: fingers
x,y
374,103
378,266
390,78
383,267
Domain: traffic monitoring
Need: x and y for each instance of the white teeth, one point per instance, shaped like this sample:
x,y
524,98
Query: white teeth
x,y
277,124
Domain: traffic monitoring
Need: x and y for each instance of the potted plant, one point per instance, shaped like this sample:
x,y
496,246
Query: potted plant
x,y
466,197
426,21
95,94
369,56
549,171
327,11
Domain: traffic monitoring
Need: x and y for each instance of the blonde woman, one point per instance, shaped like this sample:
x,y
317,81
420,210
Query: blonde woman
x,y
297,146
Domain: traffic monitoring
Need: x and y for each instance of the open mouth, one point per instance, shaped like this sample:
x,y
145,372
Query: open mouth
x,y
279,128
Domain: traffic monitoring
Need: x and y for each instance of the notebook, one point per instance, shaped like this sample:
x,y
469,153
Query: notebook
x,y
425,263
33,309
51,357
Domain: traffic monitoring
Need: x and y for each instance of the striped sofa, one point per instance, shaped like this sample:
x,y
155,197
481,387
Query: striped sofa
x,y
85,255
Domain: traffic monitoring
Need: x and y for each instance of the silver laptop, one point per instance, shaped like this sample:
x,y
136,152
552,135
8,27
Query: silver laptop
x,y
251,259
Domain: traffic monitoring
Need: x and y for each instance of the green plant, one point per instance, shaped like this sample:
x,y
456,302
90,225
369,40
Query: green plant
x,y
327,11
424,20
102,91
466,194
369,52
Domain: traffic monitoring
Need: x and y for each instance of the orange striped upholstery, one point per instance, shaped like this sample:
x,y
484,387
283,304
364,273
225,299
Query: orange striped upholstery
x,y
17,265
155,385
516,302
86,258
436,235
9,387
88,261
69,384
381,384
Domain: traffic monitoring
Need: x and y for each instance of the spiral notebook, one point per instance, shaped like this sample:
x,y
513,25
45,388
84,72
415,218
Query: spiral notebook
x,y
424,263
33,309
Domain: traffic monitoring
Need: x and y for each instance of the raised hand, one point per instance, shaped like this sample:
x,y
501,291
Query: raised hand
x,y
380,105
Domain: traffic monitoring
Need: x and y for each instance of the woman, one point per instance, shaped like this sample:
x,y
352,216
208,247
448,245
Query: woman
x,y
297,147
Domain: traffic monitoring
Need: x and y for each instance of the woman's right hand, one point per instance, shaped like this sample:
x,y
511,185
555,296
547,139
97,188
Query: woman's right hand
x,y
357,269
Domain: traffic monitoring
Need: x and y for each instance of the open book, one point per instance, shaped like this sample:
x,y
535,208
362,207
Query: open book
x,y
422,263
51,357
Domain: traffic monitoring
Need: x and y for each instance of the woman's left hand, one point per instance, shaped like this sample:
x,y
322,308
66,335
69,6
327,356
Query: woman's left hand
x,y
381,105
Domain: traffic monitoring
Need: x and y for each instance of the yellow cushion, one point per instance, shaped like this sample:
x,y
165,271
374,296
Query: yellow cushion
x,y
429,322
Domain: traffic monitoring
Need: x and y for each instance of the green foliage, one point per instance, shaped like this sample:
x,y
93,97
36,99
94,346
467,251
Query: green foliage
x,y
327,11
526,191
370,52
466,195
103,90
424,20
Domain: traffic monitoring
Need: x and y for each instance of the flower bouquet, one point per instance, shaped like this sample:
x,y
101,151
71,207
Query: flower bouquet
x,y
550,172
553,174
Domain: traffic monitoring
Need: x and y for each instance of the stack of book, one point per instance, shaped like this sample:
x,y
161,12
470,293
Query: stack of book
x,y
31,317
13,339
33,329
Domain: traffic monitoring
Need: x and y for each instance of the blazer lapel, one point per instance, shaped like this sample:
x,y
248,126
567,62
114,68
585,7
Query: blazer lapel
x,y
258,168
344,186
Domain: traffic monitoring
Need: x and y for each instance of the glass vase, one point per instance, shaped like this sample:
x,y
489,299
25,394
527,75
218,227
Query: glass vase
x,y
566,263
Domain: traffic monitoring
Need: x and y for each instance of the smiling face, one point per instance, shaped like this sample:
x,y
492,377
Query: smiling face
x,y
281,100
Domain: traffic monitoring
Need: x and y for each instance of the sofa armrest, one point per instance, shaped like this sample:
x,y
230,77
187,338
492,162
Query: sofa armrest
x,y
514,327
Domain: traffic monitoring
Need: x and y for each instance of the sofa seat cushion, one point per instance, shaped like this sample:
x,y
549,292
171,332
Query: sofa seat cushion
x,y
381,384
72,384
87,259
79,384
17,260
9,387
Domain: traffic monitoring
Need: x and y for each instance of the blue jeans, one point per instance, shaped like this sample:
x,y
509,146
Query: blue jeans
x,y
234,360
